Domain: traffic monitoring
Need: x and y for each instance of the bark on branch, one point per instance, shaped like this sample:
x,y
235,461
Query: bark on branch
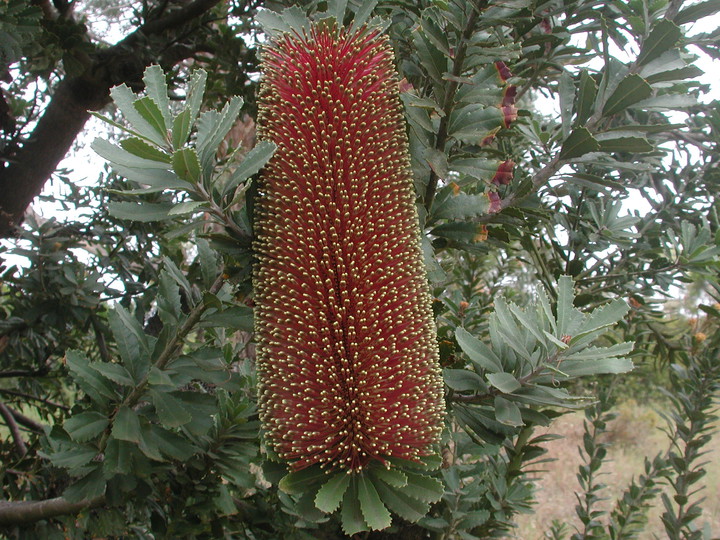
x,y
22,179
14,430
20,513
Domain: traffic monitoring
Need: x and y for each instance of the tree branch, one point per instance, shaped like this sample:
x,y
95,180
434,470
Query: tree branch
x,y
19,513
23,395
14,430
26,172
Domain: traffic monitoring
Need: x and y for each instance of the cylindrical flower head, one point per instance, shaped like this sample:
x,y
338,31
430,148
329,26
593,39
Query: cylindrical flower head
x,y
347,354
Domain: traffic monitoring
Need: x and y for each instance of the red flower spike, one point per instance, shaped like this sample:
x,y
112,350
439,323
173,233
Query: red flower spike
x,y
347,359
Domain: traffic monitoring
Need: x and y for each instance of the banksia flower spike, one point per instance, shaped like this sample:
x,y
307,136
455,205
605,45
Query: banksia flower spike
x,y
347,355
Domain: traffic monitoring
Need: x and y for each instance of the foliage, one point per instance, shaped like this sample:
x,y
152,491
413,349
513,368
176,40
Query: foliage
x,y
128,339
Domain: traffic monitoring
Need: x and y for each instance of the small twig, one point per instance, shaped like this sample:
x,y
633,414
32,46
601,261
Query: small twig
x,y
14,430
29,423
34,398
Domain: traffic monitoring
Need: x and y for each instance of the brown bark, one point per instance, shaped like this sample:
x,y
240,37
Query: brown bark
x,y
20,513
65,116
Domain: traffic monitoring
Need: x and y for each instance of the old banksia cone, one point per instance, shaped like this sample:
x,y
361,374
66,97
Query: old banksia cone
x,y
347,354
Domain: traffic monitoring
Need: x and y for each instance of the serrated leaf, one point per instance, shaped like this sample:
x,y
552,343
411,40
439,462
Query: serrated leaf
x,y
403,505
126,425
351,514
581,368
140,211
462,206
475,122
214,126
697,11
99,388
140,148
170,410
186,165
73,458
89,487
363,13
663,37
157,90
579,142
171,444
631,90
181,127
297,482
124,99
507,412
636,145
477,351
150,112
374,512
431,58
85,426
505,382
131,341
392,477
423,488
118,457
253,161
115,372
587,92
119,156
330,495
187,207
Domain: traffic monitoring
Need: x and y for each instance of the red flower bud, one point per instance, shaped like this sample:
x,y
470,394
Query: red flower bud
x,y
347,354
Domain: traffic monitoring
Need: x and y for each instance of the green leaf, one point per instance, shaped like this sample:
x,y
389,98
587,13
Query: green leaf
x,y
253,161
150,111
363,13
236,317
403,505
140,211
118,457
214,126
171,444
431,58
351,513
423,488
73,458
141,149
462,206
585,98
182,125
89,380
663,37
170,410
124,99
477,351
579,142
186,165
297,482
507,412
631,90
131,341
157,90
505,382
475,122
119,156
85,426
636,145
463,380
115,372
188,207
168,299
392,477
374,512
126,425
89,487
330,495
697,11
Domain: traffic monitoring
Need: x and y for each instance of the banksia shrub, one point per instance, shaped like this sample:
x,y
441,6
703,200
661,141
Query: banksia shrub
x,y
347,354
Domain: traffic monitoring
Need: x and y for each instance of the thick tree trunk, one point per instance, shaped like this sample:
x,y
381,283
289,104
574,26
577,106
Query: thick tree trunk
x,y
23,179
